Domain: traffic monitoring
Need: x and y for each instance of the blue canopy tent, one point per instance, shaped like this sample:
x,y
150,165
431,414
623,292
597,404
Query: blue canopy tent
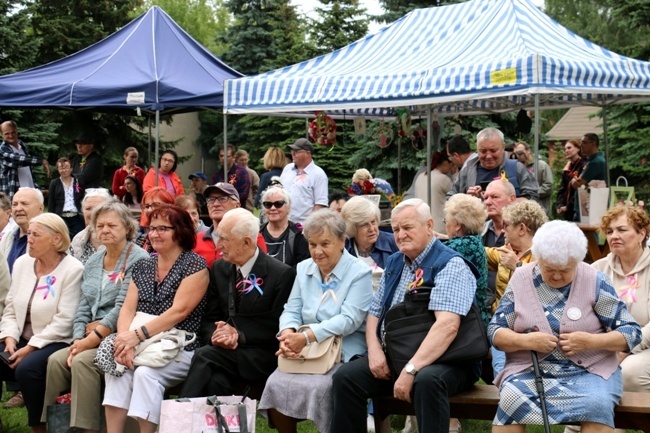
x,y
151,65
481,56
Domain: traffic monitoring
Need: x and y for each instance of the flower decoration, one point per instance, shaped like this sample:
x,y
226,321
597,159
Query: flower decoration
x,y
384,135
404,122
322,129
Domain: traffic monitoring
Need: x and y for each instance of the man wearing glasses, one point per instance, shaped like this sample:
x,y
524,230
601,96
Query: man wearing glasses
x,y
220,198
305,181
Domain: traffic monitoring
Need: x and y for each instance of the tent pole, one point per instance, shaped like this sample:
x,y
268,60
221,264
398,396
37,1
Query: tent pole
x,y
225,147
427,170
149,144
157,145
536,166
606,140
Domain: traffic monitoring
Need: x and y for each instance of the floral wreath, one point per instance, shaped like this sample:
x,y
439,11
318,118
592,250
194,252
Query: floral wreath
x,y
322,129
384,134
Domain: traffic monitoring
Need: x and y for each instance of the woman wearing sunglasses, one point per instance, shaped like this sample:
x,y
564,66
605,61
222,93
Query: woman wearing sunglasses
x,y
284,239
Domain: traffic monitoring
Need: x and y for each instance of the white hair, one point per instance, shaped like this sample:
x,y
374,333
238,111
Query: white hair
x,y
39,193
247,224
268,192
95,192
487,133
559,243
423,209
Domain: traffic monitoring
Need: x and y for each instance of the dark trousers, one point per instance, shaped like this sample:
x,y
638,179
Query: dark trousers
x,y
213,371
75,224
30,375
354,384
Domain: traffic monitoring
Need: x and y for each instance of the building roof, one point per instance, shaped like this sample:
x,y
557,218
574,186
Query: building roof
x,y
577,122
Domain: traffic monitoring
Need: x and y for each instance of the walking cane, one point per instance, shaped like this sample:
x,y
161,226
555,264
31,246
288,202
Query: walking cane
x,y
539,384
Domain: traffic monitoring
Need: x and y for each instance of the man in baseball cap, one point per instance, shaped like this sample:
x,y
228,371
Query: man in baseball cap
x,y
305,181
197,189
220,198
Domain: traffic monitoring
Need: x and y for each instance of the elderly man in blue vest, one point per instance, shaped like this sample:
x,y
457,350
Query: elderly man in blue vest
x,y
492,164
422,381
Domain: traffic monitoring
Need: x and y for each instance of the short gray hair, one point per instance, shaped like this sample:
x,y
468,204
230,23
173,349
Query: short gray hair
x,y
356,212
95,192
126,218
487,133
423,210
277,190
247,223
38,192
559,243
468,211
323,219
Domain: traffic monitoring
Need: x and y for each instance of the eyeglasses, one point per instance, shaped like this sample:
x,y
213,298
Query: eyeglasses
x,y
133,156
520,153
277,204
159,229
294,151
170,161
221,199
151,206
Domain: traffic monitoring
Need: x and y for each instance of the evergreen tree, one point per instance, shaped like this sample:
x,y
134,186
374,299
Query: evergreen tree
x,y
339,23
265,35
620,26
19,49
395,9
64,28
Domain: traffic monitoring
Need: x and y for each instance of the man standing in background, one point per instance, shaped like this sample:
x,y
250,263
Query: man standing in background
x,y
16,162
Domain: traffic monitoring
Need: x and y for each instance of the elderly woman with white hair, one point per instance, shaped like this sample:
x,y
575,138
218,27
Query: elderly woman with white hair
x,y
569,313
284,239
40,308
331,295
365,240
85,243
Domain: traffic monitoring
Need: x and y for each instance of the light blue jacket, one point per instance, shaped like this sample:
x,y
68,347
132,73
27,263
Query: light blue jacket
x,y
95,304
342,314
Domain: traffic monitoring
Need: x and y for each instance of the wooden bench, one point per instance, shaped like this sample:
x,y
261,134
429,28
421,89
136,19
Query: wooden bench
x,y
481,402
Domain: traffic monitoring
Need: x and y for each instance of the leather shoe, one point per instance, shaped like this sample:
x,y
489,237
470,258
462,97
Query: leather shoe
x,y
16,400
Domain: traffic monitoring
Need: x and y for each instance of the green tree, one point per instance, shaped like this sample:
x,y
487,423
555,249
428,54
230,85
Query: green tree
x,y
18,46
396,9
265,35
339,23
64,28
623,27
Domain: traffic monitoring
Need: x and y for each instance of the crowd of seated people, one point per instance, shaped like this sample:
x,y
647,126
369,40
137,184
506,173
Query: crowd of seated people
x,y
249,294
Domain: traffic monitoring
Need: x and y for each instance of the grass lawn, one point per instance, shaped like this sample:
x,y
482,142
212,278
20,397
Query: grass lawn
x,y
15,421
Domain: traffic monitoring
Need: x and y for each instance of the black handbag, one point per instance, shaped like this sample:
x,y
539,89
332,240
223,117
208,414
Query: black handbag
x,y
407,324
58,418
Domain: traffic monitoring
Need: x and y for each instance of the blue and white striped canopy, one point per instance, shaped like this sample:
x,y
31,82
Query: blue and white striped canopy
x,y
474,57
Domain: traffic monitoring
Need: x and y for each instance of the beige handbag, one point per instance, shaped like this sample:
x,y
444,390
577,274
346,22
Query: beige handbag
x,y
317,358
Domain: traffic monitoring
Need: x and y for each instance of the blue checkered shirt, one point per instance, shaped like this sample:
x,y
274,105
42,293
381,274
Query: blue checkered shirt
x,y
10,161
455,286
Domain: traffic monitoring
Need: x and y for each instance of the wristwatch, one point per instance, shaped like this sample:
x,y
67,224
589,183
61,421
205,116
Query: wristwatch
x,y
410,369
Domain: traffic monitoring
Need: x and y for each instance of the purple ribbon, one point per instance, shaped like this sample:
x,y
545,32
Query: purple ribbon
x,y
251,282
49,281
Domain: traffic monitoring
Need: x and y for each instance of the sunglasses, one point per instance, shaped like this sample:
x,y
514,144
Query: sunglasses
x,y
277,204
